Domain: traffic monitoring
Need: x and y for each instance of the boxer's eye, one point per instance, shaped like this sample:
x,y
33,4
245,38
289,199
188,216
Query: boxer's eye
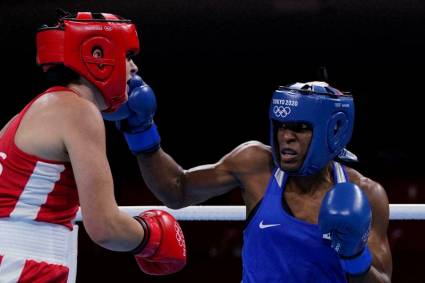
x,y
129,56
297,127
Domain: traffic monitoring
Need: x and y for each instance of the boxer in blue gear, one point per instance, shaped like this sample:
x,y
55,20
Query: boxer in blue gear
x,y
310,217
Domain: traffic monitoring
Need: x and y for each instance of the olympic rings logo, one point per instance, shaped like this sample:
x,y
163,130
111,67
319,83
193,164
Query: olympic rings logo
x,y
2,156
281,111
180,237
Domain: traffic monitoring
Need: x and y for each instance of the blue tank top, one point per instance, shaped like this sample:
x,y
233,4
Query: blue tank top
x,y
281,248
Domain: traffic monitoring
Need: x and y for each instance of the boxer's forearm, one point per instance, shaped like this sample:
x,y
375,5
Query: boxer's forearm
x,y
162,176
178,188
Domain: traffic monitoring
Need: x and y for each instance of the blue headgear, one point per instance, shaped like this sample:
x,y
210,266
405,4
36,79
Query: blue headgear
x,y
329,112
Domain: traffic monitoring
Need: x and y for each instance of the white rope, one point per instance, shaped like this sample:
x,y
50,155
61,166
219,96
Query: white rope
x,y
238,213
407,211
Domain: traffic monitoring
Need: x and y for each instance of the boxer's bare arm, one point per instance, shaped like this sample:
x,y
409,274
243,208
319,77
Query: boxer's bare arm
x,y
83,135
177,187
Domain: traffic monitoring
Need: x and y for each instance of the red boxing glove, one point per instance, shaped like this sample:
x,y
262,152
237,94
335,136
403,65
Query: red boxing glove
x,y
163,250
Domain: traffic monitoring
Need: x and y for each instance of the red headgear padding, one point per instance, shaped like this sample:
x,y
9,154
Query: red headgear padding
x,y
73,41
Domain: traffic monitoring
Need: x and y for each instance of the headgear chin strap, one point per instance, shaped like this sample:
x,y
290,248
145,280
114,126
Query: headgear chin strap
x,y
328,111
74,39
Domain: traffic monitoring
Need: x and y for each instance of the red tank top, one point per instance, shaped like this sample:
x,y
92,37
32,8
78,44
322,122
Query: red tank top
x,y
33,188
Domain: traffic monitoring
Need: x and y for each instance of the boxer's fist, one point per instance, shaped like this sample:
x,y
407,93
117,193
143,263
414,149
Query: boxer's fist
x,y
123,111
135,117
142,105
163,250
345,216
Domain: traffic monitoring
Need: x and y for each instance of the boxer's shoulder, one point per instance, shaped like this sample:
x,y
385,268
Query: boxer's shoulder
x,y
364,182
250,156
374,191
51,119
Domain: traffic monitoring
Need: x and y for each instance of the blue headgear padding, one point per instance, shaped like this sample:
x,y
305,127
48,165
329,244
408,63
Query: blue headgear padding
x,y
328,111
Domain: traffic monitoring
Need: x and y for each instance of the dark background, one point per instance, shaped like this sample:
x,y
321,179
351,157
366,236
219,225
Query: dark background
x,y
213,65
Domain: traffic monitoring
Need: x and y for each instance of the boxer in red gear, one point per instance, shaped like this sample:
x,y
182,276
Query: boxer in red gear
x,y
53,159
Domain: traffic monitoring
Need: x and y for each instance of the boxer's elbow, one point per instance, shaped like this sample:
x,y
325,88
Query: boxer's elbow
x,y
175,204
102,231
102,240
101,235
174,201
111,239
172,193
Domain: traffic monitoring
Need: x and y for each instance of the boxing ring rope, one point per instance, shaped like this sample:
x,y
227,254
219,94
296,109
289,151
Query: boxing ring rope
x,y
238,213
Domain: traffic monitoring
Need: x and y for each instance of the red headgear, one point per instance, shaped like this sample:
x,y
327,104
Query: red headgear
x,y
72,42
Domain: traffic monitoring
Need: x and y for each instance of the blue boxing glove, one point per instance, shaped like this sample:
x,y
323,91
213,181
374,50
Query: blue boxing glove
x,y
135,117
123,111
345,217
